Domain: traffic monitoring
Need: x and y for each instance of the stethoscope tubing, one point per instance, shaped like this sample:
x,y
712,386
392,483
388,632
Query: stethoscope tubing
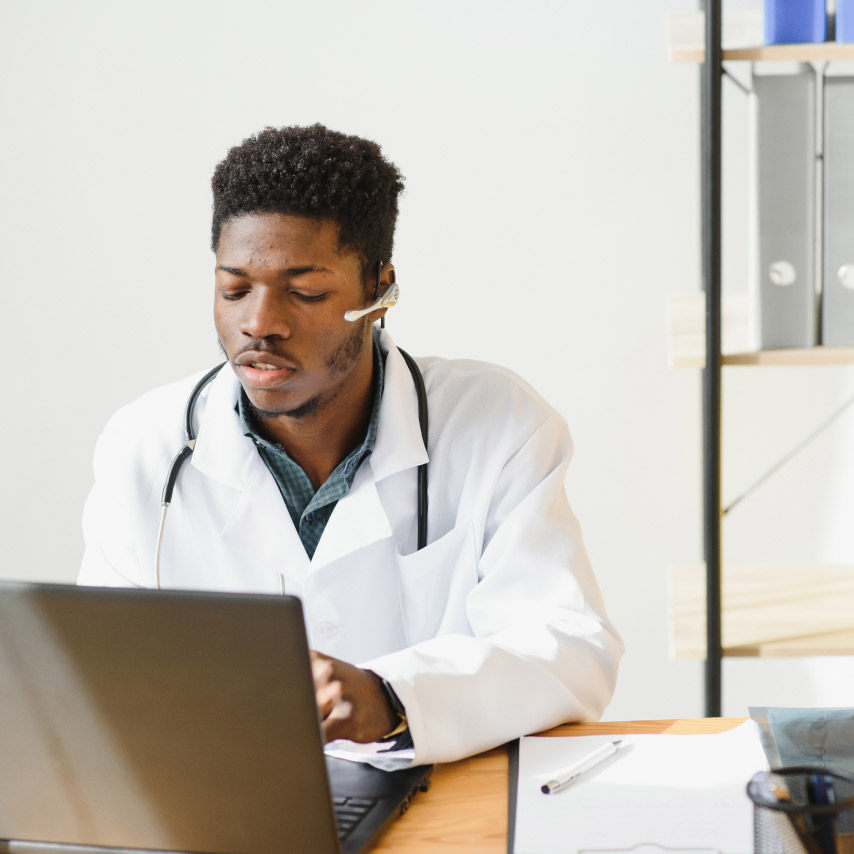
x,y
423,420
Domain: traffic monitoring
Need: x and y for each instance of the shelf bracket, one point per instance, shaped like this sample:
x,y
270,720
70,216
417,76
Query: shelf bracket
x,y
789,455
735,81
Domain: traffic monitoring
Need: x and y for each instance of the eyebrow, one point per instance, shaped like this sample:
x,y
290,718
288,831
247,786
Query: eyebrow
x,y
288,271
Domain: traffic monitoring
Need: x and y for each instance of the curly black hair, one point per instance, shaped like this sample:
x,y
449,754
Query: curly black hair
x,y
316,172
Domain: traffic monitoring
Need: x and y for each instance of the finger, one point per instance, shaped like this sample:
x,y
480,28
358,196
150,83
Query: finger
x,y
327,697
339,721
322,671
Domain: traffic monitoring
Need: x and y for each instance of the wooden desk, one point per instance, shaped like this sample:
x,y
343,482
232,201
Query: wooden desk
x,y
465,811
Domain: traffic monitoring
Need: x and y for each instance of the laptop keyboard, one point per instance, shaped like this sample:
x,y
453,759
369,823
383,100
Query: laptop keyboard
x,y
349,812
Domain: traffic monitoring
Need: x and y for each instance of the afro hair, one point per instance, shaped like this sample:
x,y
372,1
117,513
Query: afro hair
x,y
314,172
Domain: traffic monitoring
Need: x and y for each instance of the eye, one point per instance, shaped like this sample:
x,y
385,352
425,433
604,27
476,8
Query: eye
x,y
308,297
231,295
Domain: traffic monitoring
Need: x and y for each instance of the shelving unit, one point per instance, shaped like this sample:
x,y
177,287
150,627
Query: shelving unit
x,y
764,606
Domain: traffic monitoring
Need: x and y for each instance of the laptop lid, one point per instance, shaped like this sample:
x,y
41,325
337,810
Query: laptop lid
x,y
168,720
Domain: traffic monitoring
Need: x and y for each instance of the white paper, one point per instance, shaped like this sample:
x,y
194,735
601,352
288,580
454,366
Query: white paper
x,y
376,754
682,793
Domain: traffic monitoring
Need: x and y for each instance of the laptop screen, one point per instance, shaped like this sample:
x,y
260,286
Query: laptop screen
x,y
167,720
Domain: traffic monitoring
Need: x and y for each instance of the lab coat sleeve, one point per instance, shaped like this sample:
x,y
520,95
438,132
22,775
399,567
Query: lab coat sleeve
x,y
542,650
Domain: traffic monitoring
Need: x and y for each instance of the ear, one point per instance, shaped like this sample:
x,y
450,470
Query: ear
x,y
386,278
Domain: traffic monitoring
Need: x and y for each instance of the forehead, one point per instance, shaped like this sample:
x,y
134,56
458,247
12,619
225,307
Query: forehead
x,y
280,238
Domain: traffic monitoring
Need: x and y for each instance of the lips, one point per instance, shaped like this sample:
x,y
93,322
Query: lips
x,y
263,370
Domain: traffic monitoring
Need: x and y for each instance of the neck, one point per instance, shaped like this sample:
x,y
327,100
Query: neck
x,y
320,441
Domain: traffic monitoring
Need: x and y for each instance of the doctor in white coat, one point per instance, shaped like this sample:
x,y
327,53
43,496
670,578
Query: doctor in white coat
x,y
496,628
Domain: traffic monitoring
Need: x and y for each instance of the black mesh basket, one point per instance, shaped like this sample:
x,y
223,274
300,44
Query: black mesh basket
x,y
802,810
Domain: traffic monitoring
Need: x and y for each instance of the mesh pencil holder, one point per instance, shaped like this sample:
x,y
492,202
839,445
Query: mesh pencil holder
x,y
802,810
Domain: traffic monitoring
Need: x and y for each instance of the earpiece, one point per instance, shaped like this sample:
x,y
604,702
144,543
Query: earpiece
x,y
383,299
386,299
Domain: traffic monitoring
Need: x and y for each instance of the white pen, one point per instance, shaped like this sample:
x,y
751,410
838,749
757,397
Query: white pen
x,y
590,761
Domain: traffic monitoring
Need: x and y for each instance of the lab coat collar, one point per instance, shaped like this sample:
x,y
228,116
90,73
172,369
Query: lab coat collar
x,y
399,445
359,518
223,453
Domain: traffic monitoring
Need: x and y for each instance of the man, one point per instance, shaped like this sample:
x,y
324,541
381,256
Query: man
x,y
304,477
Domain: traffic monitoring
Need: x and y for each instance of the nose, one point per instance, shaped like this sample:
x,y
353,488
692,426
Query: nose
x,y
265,314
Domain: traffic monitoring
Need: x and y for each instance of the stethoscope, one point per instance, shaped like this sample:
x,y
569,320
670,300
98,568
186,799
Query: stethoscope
x,y
385,299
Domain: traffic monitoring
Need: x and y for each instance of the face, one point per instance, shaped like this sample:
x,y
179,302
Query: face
x,y
282,288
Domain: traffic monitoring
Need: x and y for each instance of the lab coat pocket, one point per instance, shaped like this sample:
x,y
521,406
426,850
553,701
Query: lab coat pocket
x,y
434,585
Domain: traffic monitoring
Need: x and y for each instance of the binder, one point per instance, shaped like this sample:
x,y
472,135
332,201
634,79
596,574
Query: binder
x,y
782,200
795,21
845,20
838,261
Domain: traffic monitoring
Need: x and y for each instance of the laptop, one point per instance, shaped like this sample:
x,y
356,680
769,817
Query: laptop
x,y
172,721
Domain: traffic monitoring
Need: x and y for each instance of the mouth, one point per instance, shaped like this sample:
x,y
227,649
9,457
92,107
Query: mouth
x,y
263,375
262,370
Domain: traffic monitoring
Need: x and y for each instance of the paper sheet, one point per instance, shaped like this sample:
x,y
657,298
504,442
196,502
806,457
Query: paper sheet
x,y
680,793
376,754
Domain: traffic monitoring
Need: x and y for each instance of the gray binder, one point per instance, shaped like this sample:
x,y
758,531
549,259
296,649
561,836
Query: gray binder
x,y
838,261
783,302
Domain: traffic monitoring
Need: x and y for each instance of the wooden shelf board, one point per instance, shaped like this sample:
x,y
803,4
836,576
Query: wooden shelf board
x,y
801,356
806,356
687,337
742,40
768,610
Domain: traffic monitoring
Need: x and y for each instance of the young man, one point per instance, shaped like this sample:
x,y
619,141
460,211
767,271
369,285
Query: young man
x,y
304,477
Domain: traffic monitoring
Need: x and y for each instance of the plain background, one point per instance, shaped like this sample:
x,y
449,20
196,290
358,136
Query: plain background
x,y
552,205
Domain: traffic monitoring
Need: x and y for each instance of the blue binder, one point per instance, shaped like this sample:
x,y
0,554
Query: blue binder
x,y
845,20
795,21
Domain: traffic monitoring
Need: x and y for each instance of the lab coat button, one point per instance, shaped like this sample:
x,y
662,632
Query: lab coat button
x,y
327,630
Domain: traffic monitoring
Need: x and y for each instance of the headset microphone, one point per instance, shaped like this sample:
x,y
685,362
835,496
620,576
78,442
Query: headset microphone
x,y
386,299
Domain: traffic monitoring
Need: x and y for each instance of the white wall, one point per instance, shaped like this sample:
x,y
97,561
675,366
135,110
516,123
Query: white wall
x,y
551,157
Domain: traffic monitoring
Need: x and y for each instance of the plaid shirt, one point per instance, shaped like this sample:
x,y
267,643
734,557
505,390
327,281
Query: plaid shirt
x,y
311,510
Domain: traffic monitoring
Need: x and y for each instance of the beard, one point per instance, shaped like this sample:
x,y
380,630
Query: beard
x,y
339,364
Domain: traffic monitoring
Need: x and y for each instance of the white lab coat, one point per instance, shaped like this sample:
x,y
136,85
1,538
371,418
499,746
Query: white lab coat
x,y
495,629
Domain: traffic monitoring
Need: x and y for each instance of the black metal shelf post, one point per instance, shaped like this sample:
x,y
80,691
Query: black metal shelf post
x,y
710,100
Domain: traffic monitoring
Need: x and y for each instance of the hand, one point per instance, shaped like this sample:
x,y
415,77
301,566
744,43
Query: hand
x,y
351,701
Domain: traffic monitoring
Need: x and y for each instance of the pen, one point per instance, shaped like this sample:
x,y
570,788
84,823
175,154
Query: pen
x,y
572,773
821,793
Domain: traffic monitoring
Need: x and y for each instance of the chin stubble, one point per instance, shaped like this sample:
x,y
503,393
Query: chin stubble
x,y
339,364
